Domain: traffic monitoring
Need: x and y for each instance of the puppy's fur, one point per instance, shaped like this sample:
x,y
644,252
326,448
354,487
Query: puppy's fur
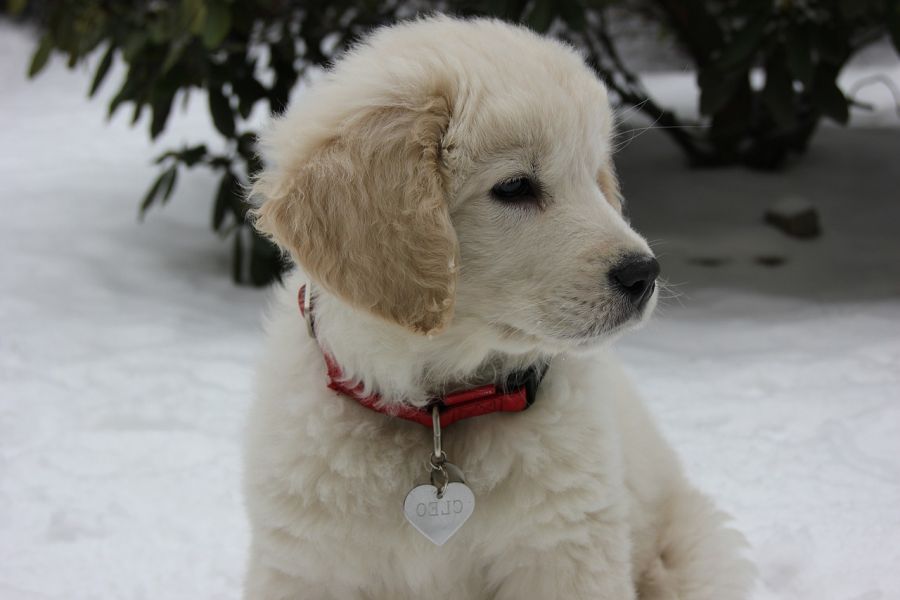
x,y
379,184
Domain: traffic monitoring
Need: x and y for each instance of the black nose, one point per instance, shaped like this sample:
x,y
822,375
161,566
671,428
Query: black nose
x,y
635,277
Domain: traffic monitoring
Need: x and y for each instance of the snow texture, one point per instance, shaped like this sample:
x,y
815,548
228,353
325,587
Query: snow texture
x,y
126,355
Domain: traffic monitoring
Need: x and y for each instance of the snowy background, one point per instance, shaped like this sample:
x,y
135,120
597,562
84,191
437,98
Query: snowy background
x,y
126,354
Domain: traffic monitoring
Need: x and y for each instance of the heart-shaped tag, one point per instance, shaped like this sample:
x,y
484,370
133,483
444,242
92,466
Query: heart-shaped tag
x,y
439,518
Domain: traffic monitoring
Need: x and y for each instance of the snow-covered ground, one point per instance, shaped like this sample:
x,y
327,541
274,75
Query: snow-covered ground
x,y
126,356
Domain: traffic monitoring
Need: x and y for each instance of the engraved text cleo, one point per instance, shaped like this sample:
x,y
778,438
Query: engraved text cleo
x,y
439,508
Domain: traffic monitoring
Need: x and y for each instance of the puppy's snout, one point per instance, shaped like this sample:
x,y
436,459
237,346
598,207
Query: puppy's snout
x,y
635,277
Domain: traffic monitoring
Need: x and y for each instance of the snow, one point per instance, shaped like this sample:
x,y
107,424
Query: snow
x,y
126,355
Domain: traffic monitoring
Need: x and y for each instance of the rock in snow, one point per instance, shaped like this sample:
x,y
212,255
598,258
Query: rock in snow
x,y
796,217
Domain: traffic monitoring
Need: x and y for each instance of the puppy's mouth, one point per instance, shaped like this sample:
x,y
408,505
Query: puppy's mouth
x,y
572,332
599,334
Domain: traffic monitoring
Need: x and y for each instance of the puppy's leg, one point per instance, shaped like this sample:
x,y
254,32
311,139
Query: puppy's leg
x,y
264,582
699,557
592,564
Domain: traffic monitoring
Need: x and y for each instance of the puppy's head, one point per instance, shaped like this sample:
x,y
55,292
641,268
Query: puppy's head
x,y
463,166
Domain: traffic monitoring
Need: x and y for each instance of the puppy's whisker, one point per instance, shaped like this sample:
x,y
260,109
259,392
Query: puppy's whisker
x,y
639,131
668,292
622,114
633,135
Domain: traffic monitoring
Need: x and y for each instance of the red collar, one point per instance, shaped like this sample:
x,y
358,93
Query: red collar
x,y
513,395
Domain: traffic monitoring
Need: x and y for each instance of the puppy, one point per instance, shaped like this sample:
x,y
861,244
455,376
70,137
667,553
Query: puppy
x,y
448,192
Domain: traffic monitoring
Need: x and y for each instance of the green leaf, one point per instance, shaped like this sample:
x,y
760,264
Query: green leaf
x,y
220,162
228,187
134,46
282,56
220,109
218,23
158,31
161,105
249,91
126,92
192,15
191,156
163,187
102,70
827,96
136,113
15,7
188,156
41,55
176,49
170,185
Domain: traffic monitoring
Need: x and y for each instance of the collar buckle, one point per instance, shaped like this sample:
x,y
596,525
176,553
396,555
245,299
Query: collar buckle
x,y
306,309
528,379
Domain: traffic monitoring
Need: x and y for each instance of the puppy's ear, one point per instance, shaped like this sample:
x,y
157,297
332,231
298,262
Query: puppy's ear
x,y
365,213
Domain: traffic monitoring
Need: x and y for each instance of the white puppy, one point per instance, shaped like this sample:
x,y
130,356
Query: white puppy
x,y
448,191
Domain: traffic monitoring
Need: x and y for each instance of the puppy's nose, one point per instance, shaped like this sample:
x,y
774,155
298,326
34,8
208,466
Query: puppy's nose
x,y
635,277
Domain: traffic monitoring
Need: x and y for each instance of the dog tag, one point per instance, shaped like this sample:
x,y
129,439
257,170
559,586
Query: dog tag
x,y
438,518
438,509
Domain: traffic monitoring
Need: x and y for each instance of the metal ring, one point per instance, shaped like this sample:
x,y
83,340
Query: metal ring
x,y
437,460
442,485
307,310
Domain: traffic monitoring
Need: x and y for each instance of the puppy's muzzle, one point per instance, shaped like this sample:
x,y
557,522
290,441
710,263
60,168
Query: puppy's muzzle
x,y
634,276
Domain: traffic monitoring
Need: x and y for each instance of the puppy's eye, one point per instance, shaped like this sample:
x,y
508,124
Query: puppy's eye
x,y
519,189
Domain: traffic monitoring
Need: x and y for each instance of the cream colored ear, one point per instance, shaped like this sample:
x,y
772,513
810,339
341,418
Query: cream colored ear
x,y
366,216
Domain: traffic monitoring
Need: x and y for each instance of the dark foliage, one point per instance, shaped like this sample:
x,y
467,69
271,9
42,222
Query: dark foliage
x,y
247,52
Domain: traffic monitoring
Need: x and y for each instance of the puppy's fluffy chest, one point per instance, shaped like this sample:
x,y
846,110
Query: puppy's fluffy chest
x,y
327,461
